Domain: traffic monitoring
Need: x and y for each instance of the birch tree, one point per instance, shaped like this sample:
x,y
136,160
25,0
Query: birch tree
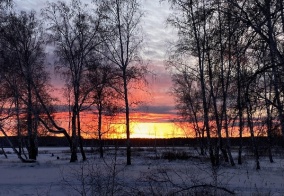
x,y
24,72
191,20
265,19
123,42
76,35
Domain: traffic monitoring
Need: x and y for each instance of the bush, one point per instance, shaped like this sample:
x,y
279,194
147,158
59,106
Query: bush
x,y
175,155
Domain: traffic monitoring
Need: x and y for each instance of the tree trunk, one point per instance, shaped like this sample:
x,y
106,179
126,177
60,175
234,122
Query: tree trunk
x,y
127,123
269,138
59,129
14,149
80,138
268,118
3,151
100,130
253,142
74,157
240,137
201,59
225,82
240,112
31,135
123,57
275,72
219,145
19,134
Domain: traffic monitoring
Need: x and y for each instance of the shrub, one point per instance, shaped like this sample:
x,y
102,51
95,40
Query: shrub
x,y
175,155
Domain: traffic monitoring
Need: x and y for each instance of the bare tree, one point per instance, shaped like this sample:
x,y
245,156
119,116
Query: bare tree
x,y
265,18
25,77
123,42
191,20
188,99
76,34
233,46
104,95
24,57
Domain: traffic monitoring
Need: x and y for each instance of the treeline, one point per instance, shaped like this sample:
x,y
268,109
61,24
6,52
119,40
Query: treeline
x,y
227,69
151,143
95,48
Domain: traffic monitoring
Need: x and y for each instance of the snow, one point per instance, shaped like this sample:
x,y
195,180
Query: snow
x,y
149,174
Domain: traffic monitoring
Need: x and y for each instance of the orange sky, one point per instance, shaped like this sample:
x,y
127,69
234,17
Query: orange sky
x,y
143,125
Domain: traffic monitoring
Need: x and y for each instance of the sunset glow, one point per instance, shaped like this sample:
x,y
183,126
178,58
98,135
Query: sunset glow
x,y
152,130
143,125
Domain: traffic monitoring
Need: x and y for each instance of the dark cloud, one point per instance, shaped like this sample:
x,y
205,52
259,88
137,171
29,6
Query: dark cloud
x,y
156,109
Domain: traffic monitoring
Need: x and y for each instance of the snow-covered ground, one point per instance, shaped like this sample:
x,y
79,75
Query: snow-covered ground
x,y
149,174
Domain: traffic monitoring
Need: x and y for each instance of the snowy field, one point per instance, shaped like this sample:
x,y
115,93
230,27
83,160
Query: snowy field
x,y
149,174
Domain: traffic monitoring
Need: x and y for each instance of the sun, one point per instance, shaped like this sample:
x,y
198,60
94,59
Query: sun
x,y
153,130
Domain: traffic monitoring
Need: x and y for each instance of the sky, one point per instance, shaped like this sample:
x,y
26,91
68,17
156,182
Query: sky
x,y
157,38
